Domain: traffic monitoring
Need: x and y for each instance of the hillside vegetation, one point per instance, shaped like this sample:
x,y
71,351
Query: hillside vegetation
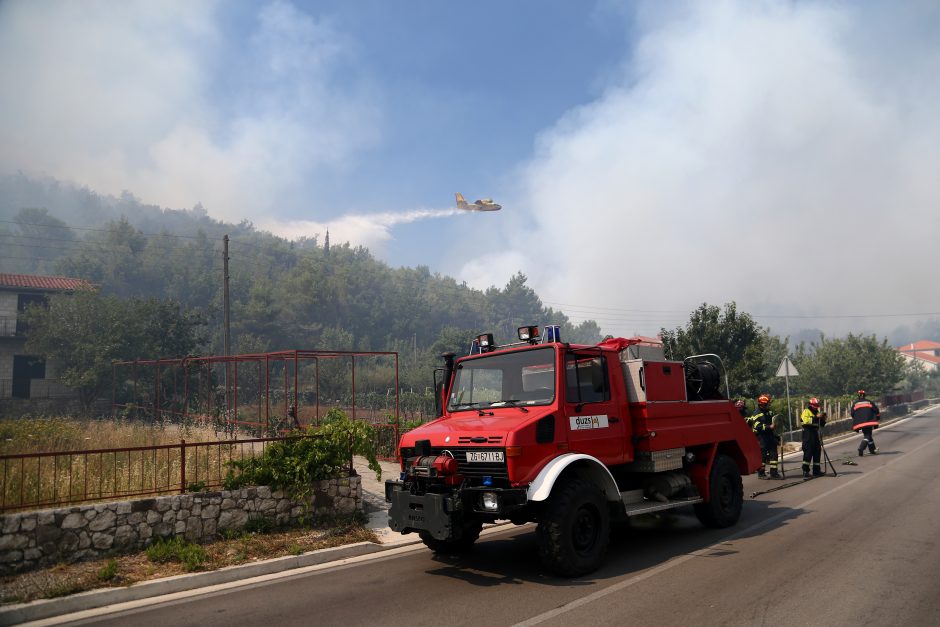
x,y
304,294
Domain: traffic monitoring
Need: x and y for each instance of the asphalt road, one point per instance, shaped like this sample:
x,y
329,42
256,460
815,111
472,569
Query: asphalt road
x,y
862,548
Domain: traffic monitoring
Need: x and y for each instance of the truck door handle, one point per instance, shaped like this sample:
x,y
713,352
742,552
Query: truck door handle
x,y
614,419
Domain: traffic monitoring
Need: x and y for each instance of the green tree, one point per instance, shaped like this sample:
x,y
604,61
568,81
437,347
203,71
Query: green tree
x,y
835,367
84,332
745,348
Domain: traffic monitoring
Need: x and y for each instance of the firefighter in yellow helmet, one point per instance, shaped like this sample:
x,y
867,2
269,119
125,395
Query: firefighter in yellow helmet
x,y
812,419
762,423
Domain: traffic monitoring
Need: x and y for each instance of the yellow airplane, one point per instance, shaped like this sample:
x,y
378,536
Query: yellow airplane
x,y
486,204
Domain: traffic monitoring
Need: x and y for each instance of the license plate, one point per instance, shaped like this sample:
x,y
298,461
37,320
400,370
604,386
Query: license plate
x,y
485,456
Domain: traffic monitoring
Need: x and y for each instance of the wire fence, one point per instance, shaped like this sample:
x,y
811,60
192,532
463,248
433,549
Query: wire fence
x,y
38,480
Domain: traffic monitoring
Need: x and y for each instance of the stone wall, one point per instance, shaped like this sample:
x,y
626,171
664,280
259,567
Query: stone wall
x,y
34,539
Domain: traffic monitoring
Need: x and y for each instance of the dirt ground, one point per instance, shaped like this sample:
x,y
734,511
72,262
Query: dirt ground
x,y
120,571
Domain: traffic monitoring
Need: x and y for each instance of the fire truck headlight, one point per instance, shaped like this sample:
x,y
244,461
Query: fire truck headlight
x,y
490,501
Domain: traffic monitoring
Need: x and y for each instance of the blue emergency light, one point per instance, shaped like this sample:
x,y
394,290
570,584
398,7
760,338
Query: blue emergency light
x,y
552,333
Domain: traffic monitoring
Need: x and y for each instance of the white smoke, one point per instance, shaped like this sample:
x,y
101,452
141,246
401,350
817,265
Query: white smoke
x,y
151,98
369,230
781,155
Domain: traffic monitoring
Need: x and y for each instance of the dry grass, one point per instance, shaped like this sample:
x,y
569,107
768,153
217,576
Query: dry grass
x,y
64,478
121,571
44,434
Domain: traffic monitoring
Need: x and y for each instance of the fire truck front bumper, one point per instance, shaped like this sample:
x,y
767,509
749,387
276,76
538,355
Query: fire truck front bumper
x,y
443,515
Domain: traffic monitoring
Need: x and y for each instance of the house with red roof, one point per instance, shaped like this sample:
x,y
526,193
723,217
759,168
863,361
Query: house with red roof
x,y
924,352
23,375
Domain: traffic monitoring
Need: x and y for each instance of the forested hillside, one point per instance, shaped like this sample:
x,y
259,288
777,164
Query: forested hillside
x,y
305,294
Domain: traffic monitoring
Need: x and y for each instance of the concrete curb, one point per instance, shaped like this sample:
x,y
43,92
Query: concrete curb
x,y
47,608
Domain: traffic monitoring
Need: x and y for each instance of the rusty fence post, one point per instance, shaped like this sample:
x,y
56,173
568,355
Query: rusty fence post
x,y
350,454
182,466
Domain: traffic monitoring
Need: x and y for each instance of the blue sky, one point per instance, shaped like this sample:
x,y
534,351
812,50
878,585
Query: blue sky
x,y
649,156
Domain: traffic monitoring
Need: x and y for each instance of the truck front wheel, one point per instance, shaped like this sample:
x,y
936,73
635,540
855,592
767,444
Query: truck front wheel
x,y
469,534
726,495
574,528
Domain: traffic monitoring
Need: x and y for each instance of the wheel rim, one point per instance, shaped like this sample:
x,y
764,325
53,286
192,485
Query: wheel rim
x,y
586,529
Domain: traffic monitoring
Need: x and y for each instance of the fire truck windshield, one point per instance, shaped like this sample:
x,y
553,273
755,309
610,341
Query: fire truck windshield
x,y
519,378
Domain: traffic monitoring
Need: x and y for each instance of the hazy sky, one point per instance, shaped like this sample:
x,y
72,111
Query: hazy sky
x,y
649,156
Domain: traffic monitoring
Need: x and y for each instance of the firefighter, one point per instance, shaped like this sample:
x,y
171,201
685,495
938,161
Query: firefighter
x,y
865,417
812,419
762,423
739,405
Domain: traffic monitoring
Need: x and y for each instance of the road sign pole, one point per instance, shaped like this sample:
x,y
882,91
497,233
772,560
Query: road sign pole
x,y
786,370
789,411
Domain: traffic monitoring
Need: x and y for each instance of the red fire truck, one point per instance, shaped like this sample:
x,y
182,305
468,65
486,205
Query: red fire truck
x,y
570,437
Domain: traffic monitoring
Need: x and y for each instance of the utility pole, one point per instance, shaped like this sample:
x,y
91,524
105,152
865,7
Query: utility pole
x,y
226,330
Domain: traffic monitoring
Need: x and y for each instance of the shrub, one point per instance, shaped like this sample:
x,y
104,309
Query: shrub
x,y
108,571
294,464
190,555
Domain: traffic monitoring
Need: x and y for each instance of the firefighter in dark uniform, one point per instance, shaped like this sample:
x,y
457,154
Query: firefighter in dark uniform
x,y
812,419
865,417
762,423
742,409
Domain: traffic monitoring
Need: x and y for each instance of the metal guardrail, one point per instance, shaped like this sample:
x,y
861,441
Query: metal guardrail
x,y
39,480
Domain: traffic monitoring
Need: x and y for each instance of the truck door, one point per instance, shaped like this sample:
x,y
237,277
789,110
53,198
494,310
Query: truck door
x,y
595,426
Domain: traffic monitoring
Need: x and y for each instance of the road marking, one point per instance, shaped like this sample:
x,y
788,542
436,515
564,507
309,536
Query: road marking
x,y
541,618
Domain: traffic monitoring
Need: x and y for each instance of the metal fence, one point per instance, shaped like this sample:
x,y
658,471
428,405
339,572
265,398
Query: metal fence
x,y
267,393
37,480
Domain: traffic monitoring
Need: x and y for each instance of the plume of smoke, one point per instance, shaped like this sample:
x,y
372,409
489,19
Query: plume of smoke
x,y
749,152
369,230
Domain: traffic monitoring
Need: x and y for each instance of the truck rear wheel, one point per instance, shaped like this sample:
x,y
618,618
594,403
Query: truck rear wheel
x,y
470,533
726,495
574,528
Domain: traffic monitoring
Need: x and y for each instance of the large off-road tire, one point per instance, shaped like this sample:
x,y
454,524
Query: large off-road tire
x,y
574,528
470,533
726,495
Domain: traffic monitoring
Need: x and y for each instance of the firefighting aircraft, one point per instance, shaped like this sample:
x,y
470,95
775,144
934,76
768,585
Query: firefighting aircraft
x,y
486,204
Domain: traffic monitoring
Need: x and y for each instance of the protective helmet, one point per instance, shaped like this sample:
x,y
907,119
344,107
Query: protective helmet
x,y
861,392
814,403
763,399
739,404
